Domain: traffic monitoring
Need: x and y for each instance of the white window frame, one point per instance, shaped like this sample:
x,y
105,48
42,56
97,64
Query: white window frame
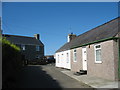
x,y
74,58
23,47
67,57
58,58
95,49
37,48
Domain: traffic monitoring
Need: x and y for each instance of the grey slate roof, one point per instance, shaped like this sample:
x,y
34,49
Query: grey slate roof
x,y
23,40
106,30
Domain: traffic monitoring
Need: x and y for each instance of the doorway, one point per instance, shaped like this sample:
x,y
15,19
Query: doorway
x,y
84,58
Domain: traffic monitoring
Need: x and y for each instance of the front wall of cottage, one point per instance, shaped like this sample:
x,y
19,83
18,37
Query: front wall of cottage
x,y
59,59
31,53
116,44
109,66
76,66
63,59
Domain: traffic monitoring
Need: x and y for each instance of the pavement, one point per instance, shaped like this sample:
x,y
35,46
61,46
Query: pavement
x,y
94,82
48,76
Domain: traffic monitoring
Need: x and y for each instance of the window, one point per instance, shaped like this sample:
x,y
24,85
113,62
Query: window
x,y
67,58
98,53
37,57
74,55
58,58
23,47
37,48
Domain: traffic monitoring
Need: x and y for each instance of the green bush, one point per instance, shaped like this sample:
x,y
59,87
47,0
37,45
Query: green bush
x,y
4,41
11,62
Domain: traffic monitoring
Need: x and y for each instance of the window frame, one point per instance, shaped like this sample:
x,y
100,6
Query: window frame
x,y
95,49
37,57
74,55
67,57
58,58
23,48
37,49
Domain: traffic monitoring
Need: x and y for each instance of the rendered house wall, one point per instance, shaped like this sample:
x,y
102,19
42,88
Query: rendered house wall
x,y
116,57
107,69
76,66
58,59
61,59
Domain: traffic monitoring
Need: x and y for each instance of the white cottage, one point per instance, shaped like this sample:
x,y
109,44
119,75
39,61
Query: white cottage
x,y
95,52
63,55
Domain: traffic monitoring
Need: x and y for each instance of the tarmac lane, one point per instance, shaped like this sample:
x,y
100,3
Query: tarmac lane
x,y
46,76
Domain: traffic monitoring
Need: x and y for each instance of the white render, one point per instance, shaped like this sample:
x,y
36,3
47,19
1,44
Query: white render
x,y
63,59
68,38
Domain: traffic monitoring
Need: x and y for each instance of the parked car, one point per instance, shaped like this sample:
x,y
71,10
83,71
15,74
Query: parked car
x,y
51,60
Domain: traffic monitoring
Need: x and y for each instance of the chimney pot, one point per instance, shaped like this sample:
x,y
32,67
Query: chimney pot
x,y
37,36
71,36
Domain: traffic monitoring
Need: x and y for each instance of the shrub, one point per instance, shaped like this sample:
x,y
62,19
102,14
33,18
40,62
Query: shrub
x,y
11,62
4,41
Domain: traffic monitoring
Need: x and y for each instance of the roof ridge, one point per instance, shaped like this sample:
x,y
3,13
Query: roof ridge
x,y
99,26
23,40
79,40
17,36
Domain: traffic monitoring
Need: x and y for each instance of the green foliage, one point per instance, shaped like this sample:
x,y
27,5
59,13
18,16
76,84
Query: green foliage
x,y
0,39
11,61
4,41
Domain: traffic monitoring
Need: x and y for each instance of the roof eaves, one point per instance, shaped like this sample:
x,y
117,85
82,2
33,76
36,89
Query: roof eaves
x,y
62,50
17,36
102,40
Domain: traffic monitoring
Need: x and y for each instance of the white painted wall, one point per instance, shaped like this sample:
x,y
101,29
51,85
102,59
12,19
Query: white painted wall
x,y
63,60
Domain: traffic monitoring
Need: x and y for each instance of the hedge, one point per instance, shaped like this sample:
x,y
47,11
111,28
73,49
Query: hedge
x,y
11,63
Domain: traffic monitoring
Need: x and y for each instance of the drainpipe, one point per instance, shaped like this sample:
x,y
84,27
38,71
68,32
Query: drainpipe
x,y
119,59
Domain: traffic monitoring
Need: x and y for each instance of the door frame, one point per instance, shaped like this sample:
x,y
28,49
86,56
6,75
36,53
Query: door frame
x,y
84,63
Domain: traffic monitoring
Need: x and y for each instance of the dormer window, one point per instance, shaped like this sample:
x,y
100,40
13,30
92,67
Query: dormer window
x,y
37,48
23,47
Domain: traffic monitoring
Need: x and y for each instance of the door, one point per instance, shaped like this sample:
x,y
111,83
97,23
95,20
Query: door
x,y
68,60
84,58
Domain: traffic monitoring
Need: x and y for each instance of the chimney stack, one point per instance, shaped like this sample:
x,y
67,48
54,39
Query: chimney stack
x,y
71,36
37,36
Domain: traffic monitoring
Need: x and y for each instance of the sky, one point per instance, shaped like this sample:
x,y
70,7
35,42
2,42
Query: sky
x,y
55,20
0,8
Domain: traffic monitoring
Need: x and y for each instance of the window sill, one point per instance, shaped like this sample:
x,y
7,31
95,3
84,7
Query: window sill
x,y
98,62
74,61
23,50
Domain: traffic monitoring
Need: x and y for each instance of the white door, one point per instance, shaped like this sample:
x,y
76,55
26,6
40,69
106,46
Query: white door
x,y
67,60
84,57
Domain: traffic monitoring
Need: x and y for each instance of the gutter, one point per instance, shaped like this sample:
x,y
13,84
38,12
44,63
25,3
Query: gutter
x,y
97,41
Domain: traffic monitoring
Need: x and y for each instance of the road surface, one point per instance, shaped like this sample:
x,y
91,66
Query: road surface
x,y
46,76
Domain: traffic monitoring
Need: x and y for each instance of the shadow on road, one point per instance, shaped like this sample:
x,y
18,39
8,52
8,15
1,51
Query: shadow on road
x,y
35,77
